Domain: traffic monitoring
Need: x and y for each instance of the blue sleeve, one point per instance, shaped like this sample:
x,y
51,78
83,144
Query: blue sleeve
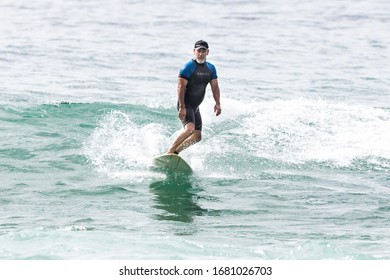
x,y
187,70
213,71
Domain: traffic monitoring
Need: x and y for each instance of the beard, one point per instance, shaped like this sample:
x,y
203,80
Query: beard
x,y
201,61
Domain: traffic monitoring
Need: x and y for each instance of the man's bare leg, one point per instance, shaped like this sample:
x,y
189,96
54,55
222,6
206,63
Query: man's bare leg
x,y
193,139
186,133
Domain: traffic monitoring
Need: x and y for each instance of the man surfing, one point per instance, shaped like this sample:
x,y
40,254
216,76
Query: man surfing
x,y
191,89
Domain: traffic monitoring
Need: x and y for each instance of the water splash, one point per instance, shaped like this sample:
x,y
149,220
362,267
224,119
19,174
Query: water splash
x,y
300,132
315,130
119,147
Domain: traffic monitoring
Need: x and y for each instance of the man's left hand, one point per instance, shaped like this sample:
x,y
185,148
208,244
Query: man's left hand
x,y
217,109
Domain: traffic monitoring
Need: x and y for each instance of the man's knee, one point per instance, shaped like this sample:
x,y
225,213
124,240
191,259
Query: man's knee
x,y
198,135
190,128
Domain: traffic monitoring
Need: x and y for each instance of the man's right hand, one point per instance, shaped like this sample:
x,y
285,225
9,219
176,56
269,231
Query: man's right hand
x,y
182,113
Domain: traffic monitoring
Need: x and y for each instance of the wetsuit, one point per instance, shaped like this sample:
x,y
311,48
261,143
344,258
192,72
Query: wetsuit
x,y
198,77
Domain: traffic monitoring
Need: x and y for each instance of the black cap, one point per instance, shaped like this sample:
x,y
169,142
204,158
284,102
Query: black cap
x,y
201,45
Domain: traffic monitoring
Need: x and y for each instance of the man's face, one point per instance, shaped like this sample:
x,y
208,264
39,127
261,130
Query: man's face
x,y
200,55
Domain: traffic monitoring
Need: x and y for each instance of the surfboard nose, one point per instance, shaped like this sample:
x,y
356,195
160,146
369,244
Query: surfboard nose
x,y
172,162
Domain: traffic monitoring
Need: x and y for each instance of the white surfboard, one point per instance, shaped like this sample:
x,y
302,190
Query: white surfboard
x,y
172,162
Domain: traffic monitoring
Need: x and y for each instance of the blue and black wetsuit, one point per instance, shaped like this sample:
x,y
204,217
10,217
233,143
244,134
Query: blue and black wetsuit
x,y
198,77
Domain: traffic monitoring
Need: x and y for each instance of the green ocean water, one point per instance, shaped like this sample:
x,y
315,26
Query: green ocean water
x,y
77,183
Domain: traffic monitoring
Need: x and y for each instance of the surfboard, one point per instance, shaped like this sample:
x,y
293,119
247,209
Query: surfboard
x,y
172,162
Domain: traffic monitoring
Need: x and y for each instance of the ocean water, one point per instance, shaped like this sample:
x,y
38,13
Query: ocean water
x,y
296,167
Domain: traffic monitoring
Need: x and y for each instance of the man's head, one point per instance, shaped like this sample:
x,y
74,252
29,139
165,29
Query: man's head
x,y
201,50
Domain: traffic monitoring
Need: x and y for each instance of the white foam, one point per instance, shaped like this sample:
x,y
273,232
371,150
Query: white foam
x,y
306,130
296,131
120,148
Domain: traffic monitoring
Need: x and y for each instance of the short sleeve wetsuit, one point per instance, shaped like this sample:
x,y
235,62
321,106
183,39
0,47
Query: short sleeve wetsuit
x,y
198,77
